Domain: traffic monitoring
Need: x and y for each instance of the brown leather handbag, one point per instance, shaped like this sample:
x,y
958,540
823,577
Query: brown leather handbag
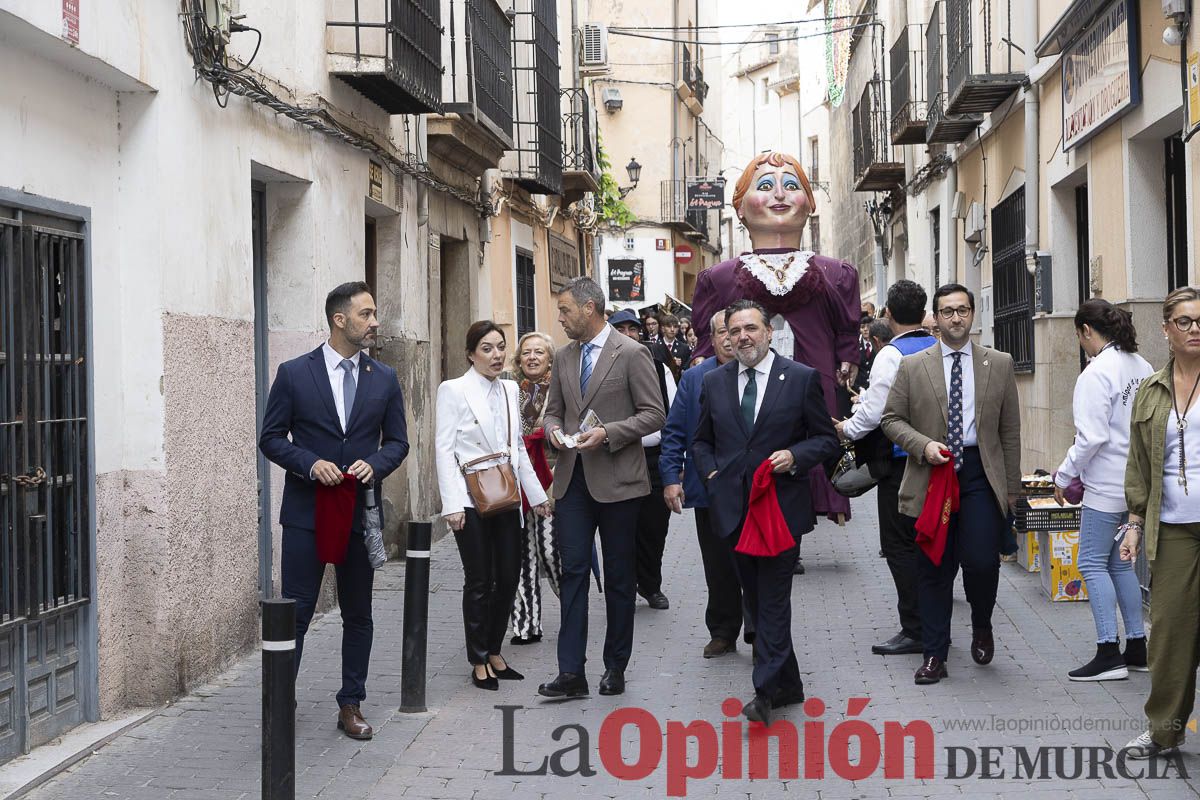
x,y
493,490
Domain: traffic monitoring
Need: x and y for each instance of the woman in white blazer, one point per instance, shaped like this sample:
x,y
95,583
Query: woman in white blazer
x,y
477,415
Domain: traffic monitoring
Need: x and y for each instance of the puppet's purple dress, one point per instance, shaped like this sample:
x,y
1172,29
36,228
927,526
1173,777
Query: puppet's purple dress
x,y
823,310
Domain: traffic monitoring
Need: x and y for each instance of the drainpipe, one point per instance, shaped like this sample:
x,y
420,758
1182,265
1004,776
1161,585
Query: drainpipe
x,y
880,272
950,228
1032,163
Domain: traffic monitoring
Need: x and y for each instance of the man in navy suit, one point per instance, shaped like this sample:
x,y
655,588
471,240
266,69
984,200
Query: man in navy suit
x,y
345,415
761,407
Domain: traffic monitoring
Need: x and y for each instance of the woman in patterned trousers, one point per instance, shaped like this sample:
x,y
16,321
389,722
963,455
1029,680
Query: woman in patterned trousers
x,y
539,554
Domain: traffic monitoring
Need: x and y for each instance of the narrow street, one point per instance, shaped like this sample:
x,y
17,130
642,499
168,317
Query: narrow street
x,y
206,745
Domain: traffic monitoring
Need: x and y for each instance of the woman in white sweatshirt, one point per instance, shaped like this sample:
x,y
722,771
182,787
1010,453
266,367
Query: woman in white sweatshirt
x,y
1102,405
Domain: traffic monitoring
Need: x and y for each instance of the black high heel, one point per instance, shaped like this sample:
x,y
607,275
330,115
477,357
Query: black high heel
x,y
508,673
490,683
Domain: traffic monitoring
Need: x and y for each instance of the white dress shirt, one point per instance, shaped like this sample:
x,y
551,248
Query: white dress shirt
x,y
763,370
598,340
869,412
970,437
333,361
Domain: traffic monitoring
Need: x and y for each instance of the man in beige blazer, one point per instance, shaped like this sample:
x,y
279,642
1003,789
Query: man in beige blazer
x,y
959,398
598,482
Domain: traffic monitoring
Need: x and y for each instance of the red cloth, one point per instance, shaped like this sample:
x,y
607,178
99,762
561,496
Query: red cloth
x,y
941,500
535,446
334,517
765,532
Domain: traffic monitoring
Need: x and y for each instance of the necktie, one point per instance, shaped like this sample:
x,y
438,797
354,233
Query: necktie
x,y
749,396
349,389
585,371
954,436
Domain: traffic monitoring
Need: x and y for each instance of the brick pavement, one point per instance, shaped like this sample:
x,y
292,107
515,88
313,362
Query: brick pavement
x,y
205,746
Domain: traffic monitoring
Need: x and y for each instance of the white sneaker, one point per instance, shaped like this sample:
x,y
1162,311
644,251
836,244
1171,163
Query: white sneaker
x,y
1144,747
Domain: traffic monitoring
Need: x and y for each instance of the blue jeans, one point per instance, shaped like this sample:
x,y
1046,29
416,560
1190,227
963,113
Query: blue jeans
x,y
1110,581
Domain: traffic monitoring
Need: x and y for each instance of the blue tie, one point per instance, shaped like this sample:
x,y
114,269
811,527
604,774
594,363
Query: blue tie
x,y
954,436
585,372
349,388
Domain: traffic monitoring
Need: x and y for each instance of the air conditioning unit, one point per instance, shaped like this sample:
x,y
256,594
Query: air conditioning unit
x,y
974,224
611,97
594,51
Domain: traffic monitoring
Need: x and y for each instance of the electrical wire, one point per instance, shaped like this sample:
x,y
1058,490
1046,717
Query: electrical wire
x,y
732,24
745,41
207,47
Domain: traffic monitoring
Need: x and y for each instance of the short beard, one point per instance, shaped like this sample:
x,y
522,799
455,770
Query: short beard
x,y
758,355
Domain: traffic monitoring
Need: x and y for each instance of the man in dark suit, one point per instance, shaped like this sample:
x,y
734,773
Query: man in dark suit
x,y
761,407
599,480
344,413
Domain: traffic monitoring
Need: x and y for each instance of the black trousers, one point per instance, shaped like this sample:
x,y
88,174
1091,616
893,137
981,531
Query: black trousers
x,y
897,539
767,587
576,517
725,613
301,573
653,520
973,542
490,549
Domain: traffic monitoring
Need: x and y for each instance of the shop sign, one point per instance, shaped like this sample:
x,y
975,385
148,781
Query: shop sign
x,y
1101,80
704,194
564,262
625,279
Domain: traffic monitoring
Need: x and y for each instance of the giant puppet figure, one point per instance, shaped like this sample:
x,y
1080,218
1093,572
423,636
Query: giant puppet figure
x,y
818,296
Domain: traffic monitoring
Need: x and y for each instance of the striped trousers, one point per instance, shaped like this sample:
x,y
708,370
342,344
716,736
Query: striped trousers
x,y
539,558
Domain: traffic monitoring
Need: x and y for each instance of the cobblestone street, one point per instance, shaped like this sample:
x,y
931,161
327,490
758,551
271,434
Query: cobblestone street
x,y
206,745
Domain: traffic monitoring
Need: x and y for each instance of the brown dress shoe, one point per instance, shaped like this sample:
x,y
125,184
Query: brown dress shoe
x,y
719,647
983,647
931,671
351,722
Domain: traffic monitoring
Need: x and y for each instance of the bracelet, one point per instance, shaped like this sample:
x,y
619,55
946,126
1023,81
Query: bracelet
x,y
1131,526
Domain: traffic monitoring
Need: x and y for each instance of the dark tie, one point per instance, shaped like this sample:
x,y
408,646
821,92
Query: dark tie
x,y
585,371
349,388
749,396
954,436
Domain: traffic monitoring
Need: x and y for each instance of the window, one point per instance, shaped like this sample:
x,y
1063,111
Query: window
x,y
814,234
814,160
935,234
1177,213
526,311
766,92
772,44
1012,284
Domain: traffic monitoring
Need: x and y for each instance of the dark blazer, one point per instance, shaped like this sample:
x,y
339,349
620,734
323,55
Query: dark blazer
x,y
676,455
793,417
301,404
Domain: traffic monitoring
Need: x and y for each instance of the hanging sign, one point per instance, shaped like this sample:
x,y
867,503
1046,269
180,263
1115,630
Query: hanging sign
x,y
704,194
1101,79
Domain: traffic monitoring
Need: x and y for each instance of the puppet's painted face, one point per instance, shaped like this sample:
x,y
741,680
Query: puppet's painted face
x,y
775,203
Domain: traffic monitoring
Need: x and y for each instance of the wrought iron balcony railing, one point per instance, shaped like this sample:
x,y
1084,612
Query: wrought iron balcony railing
x,y
389,50
907,62
941,127
478,80
581,173
981,69
538,128
675,211
875,168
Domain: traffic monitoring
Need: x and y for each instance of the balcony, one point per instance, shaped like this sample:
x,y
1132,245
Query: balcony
x,y
981,68
536,161
477,86
581,172
907,62
388,50
875,168
941,127
676,214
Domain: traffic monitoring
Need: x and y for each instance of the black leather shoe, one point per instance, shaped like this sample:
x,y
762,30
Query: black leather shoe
x,y
537,637
983,647
799,568
788,697
567,684
508,673
931,671
758,710
613,682
897,645
658,601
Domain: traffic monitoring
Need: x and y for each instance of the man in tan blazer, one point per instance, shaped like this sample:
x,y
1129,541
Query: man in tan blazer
x,y
600,480
959,398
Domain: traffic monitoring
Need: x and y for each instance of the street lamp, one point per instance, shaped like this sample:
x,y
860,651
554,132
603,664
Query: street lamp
x,y
635,173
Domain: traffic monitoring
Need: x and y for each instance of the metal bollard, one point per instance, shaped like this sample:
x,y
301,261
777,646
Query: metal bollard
x,y
416,617
279,699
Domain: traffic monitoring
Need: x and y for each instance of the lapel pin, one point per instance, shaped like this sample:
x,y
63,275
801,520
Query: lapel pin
x,y
781,377
368,367
985,363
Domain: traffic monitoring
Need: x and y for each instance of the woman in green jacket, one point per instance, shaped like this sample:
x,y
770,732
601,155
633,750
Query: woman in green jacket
x,y
1163,471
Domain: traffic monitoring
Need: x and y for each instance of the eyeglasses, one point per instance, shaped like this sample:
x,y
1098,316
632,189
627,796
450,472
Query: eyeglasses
x,y
1184,324
950,313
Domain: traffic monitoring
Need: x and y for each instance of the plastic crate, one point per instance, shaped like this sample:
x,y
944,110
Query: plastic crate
x,y
1045,515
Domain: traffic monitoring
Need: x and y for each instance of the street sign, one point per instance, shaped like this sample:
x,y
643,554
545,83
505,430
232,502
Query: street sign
x,y
684,254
